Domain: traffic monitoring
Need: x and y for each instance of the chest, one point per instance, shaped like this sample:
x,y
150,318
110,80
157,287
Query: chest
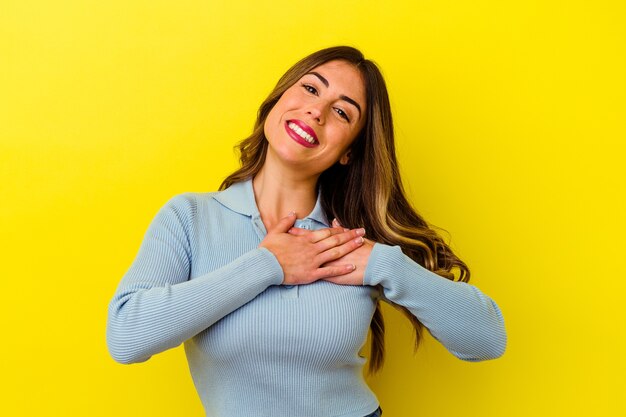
x,y
321,321
325,323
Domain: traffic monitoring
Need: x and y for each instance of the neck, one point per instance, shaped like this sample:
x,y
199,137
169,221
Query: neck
x,y
279,191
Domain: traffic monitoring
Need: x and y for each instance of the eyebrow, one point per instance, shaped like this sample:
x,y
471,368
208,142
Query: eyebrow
x,y
344,98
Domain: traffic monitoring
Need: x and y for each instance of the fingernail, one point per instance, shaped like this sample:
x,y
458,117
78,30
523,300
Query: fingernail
x,y
359,240
360,232
351,267
335,222
346,230
291,213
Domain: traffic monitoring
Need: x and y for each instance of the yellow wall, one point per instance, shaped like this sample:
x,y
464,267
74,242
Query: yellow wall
x,y
510,118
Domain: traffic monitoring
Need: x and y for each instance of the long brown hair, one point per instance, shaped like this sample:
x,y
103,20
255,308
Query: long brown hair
x,y
368,191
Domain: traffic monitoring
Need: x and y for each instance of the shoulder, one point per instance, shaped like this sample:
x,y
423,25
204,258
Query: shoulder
x,y
183,208
205,211
188,202
190,208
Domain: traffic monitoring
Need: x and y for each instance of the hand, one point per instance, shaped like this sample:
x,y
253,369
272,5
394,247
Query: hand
x,y
304,255
358,257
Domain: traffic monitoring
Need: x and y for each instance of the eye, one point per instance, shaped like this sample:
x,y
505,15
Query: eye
x,y
309,88
342,114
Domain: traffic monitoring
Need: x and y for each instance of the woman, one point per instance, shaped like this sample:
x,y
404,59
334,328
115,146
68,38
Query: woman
x,y
274,308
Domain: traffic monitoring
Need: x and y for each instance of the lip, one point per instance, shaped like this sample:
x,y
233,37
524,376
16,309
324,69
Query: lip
x,y
297,137
304,127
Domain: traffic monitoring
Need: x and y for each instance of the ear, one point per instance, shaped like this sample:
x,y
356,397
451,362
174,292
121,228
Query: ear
x,y
345,158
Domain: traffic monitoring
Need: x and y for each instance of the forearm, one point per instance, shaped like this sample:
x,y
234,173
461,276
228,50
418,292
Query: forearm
x,y
145,319
466,321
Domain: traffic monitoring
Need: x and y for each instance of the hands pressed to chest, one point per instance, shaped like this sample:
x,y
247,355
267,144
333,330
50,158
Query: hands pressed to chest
x,y
333,254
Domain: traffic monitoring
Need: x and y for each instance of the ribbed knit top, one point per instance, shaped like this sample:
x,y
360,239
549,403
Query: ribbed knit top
x,y
256,347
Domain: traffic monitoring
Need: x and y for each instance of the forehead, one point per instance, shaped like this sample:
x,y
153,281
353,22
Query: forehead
x,y
344,78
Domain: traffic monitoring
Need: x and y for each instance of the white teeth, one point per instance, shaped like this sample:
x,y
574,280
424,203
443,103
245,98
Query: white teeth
x,y
301,132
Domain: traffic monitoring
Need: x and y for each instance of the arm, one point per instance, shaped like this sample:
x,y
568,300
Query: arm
x,y
466,321
156,306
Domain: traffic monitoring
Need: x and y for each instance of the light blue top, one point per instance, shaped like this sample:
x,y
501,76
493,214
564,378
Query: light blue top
x,y
259,348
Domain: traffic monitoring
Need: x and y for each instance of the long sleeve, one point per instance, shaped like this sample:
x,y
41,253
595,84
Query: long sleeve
x,y
157,307
466,321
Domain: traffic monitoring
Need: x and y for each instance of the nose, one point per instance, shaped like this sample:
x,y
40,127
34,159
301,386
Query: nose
x,y
316,113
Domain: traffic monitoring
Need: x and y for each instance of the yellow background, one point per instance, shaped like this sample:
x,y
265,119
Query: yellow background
x,y
510,119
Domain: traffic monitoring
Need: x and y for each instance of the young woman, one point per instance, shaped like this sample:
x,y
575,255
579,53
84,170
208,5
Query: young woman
x,y
273,282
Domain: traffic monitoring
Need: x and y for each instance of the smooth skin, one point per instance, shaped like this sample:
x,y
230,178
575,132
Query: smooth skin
x,y
358,257
307,256
287,181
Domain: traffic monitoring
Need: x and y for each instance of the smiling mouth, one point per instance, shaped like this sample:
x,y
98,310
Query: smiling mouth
x,y
301,133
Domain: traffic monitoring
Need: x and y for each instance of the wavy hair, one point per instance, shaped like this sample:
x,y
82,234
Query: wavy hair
x,y
368,191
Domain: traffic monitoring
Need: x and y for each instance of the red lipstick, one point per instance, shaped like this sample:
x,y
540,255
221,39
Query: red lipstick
x,y
304,127
295,136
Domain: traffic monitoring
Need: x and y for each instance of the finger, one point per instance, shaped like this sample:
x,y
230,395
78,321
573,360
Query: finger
x,y
284,224
333,271
335,223
337,252
338,239
296,231
335,279
347,279
317,235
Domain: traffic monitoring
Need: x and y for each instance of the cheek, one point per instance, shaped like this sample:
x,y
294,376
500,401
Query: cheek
x,y
347,137
286,98
272,120
279,109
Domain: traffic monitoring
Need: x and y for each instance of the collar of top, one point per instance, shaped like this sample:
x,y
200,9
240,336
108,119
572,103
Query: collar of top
x,y
239,198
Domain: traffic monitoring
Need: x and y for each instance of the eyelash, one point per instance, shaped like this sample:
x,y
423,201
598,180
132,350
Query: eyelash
x,y
313,90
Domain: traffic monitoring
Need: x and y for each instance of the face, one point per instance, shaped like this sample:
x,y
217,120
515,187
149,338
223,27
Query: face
x,y
315,121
